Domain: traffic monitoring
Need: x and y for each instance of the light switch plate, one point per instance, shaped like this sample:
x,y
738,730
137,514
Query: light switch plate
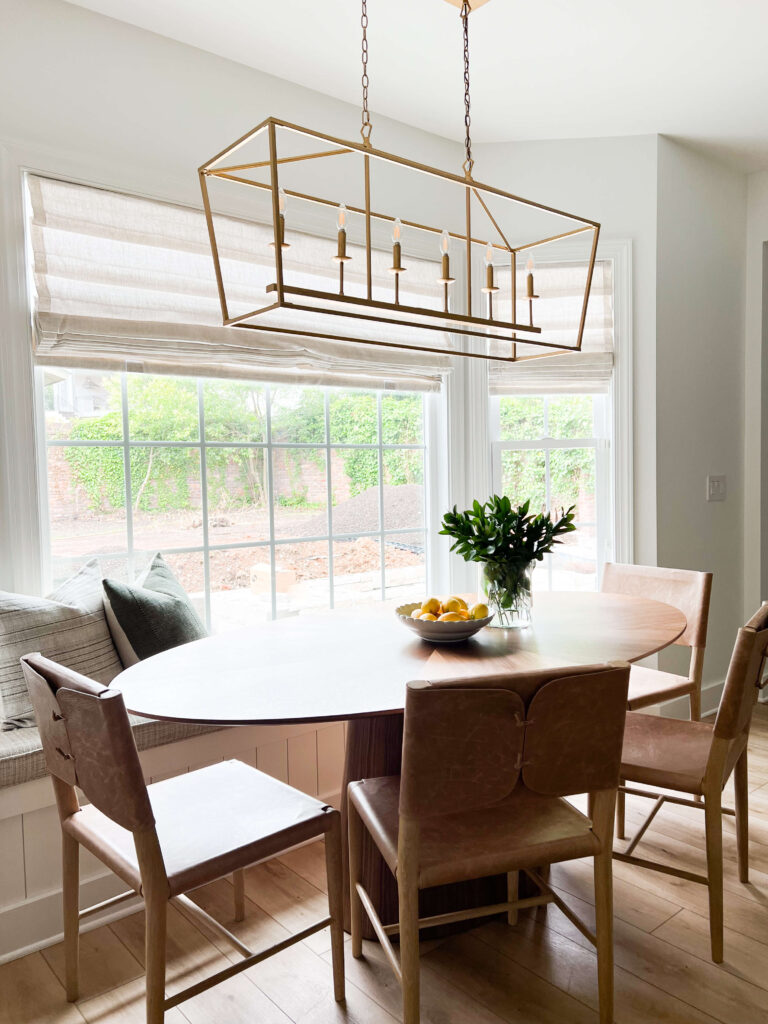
x,y
716,488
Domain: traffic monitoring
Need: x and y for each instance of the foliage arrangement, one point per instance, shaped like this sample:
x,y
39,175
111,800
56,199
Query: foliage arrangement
x,y
497,532
508,540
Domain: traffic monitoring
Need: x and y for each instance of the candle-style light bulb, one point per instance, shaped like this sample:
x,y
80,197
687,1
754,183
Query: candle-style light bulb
x,y
445,278
282,202
490,284
529,279
341,241
397,230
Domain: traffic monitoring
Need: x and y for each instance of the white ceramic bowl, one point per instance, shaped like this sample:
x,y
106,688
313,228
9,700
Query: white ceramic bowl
x,y
440,632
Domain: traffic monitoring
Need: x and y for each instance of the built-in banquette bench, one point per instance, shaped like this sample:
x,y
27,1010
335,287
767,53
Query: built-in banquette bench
x,y
307,756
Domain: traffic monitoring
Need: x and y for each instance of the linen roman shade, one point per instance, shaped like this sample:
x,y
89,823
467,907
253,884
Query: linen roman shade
x,y
561,287
124,282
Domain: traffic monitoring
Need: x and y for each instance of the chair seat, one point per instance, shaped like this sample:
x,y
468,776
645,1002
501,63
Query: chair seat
x,y
665,752
648,686
523,830
209,823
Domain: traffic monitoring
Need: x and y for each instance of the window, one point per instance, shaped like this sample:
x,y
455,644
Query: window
x,y
554,450
265,500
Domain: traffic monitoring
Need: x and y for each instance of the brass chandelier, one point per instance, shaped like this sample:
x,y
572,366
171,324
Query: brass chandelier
x,y
333,270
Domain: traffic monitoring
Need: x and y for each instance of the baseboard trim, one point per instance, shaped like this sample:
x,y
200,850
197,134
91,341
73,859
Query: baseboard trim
x,y
710,699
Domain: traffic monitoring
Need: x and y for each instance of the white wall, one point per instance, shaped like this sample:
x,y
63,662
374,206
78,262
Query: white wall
x,y
755,352
612,181
700,380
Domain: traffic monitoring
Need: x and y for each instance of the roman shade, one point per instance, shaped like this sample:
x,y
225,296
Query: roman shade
x,y
561,287
124,282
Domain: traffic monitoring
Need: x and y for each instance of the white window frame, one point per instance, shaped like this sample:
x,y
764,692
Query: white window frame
x,y
458,466
269,446
599,442
614,417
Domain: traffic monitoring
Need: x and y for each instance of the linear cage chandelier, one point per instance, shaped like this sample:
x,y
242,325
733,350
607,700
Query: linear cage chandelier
x,y
315,236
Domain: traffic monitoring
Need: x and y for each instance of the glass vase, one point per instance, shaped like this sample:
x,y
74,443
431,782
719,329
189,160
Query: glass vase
x,y
507,588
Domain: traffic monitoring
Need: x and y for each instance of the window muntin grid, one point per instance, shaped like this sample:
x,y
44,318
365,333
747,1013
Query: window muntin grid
x,y
381,448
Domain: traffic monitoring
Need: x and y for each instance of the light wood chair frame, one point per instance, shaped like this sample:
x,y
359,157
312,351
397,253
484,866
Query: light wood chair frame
x,y
696,663
156,901
155,890
602,803
725,755
406,967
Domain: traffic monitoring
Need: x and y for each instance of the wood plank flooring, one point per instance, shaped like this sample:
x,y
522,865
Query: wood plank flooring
x,y
540,972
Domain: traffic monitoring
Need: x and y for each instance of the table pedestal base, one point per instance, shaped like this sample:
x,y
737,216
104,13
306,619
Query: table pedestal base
x,y
374,749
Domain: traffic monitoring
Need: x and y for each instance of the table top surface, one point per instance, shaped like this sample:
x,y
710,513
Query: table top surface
x,y
343,665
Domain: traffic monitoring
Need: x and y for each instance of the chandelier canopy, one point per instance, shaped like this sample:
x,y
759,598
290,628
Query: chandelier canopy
x,y
348,223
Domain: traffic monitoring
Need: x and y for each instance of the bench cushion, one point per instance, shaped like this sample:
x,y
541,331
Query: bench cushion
x,y
69,627
22,758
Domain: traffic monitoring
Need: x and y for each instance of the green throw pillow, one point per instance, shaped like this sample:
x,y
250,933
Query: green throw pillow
x,y
151,615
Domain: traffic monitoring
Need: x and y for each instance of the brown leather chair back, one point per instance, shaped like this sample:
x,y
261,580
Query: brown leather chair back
x,y
87,740
744,679
685,589
468,746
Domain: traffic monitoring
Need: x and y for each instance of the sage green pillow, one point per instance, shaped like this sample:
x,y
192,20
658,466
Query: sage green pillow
x,y
151,615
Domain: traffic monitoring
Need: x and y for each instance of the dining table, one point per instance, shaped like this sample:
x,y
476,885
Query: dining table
x,y
353,665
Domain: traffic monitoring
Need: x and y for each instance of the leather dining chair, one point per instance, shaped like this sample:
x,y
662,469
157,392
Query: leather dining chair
x,y
165,839
697,759
486,765
685,589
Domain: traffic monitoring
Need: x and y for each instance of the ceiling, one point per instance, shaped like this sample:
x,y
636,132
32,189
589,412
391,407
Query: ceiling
x,y
541,69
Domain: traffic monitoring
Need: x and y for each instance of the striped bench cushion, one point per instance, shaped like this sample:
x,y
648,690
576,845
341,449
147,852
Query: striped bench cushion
x,y
69,627
22,759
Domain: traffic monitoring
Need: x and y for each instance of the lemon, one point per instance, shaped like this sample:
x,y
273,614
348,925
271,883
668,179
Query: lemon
x,y
461,602
463,614
450,617
479,611
416,613
452,605
431,605
428,617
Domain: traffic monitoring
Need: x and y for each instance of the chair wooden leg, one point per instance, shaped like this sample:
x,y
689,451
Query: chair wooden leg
x,y
602,825
238,882
621,799
355,829
742,816
336,904
513,886
714,831
71,894
695,700
408,894
156,909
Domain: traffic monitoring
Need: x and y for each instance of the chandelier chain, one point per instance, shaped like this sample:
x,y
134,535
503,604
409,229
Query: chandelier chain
x,y
468,162
367,127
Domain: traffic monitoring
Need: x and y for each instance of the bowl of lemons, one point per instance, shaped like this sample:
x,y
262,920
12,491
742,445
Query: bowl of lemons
x,y
444,622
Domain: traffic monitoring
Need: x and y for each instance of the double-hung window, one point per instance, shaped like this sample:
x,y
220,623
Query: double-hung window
x,y
552,425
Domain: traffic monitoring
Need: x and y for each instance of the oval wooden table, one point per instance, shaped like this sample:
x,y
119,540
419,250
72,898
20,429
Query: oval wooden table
x,y
346,666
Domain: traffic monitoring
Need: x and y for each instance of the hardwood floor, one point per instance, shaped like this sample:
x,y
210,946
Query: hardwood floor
x,y
542,971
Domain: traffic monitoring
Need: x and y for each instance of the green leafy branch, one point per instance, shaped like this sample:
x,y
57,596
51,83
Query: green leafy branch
x,y
497,532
